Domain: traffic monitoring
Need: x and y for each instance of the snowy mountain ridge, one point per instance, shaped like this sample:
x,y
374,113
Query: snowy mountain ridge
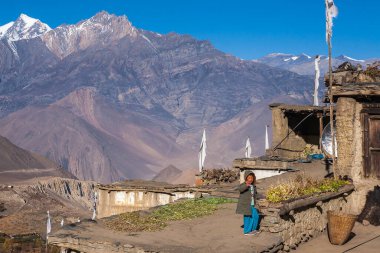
x,y
303,64
24,27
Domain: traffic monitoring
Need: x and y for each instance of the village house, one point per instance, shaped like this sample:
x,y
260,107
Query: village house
x,y
299,132
297,129
357,97
134,195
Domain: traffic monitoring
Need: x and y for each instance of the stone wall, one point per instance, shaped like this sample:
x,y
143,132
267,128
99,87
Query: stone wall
x,y
302,223
349,138
292,146
305,136
116,202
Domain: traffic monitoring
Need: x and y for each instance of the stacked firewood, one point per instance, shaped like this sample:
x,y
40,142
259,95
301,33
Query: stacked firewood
x,y
216,176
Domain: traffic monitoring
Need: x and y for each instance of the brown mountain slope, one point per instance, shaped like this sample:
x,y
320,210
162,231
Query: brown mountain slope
x,y
17,164
169,174
91,139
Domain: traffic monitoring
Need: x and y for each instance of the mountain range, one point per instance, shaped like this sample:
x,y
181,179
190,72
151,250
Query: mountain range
x,y
303,64
108,101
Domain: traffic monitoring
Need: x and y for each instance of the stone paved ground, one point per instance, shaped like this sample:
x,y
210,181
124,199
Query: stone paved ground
x,y
366,239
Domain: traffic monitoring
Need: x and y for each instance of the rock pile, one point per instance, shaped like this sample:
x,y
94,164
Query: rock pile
x,y
346,73
216,176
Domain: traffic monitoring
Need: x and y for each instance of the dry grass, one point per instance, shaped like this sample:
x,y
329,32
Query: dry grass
x,y
183,210
302,186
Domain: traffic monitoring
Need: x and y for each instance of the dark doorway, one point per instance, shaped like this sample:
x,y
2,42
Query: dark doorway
x,y
371,139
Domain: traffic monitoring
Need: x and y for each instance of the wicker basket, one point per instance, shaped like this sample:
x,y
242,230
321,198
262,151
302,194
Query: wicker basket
x,y
340,226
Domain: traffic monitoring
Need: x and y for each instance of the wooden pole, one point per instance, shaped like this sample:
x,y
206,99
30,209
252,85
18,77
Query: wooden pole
x,y
331,97
320,117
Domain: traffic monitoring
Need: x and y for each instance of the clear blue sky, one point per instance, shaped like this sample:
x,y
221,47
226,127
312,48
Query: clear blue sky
x,y
246,28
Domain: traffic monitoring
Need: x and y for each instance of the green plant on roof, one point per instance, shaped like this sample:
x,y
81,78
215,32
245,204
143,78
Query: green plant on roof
x,y
301,186
183,210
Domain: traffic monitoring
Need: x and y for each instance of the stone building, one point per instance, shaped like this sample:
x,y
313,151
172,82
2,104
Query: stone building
x,y
296,132
296,128
357,97
357,121
134,195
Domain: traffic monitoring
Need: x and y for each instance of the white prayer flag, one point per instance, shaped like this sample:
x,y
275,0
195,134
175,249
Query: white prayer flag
x,y
94,214
202,152
248,149
48,225
94,206
62,222
331,12
266,138
316,80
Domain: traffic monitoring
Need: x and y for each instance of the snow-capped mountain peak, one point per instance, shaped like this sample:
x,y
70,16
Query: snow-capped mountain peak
x,y
305,55
24,27
101,28
293,58
347,58
27,20
303,64
4,28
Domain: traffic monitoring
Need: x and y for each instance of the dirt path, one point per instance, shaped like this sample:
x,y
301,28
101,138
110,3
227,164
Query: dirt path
x,y
220,232
365,239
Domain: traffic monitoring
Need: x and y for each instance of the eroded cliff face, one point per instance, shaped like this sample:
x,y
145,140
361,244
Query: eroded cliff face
x,y
26,205
78,192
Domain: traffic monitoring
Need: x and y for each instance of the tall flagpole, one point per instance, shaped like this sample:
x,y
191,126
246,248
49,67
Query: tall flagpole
x,y
329,18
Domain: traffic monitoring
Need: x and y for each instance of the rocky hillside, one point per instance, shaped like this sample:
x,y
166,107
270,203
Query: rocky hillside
x,y
25,205
107,101
17,164
169,174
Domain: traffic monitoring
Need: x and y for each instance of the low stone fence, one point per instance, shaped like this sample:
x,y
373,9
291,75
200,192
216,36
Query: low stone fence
x,y
299,220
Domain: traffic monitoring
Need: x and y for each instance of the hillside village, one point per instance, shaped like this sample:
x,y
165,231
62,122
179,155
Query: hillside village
x,y
100,126
285,226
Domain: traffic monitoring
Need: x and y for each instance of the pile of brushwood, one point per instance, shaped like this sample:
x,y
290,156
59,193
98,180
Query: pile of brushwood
x,y
216,176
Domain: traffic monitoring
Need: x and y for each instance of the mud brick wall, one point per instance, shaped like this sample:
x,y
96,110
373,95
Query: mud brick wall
x,y
292,146
122,201
349,138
